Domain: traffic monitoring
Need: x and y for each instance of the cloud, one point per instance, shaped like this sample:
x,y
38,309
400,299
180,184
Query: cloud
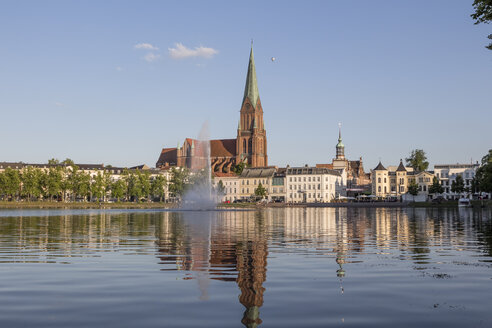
x,y
119,68
145,46
150,57
180,51
59,104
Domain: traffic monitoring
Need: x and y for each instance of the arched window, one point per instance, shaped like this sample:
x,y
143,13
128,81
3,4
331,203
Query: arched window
x,y
379,181
379,189
245,150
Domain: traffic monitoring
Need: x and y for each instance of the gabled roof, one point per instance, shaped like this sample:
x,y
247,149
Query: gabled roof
x,y
380,167
251,88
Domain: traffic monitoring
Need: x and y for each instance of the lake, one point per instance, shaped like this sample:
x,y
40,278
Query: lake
x,y
279,267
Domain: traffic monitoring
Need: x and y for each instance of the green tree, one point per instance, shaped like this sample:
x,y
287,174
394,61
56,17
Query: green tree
x,y
483,14
98,187
238,168
413,188
53,161
31,182
10,183
178,181
68,162
144,183
418,160
53,181
435,187
483,176
458,185
157,187
118,189
260,191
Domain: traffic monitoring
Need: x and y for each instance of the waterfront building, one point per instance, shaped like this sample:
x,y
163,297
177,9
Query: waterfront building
x,y
447,174
249,146
394,181
314,184
278,188
357,180
230,181
252,177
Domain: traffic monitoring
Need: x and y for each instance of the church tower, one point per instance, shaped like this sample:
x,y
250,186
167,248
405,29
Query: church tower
x,y
251,143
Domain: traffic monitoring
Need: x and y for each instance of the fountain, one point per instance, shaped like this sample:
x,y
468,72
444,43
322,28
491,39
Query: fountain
x,y
201,195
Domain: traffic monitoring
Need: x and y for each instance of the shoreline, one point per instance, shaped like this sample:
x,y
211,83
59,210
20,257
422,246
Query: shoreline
x,y
130,205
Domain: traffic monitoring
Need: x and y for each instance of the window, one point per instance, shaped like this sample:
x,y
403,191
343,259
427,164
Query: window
x,y
379,189
319,186
384,180
379,180
245,150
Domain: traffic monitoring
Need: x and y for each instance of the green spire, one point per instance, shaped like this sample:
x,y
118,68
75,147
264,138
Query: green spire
x,y
340,144
251,89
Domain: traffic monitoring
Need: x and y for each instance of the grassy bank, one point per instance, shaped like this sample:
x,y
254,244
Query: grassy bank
x,y
82,205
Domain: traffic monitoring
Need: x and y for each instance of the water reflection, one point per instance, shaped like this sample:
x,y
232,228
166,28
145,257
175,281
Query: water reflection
x,y
235,247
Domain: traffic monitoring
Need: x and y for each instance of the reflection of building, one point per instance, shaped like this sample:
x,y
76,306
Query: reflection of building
x,y
249,146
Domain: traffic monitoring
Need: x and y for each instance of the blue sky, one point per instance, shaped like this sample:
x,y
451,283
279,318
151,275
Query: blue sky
x,y
398,75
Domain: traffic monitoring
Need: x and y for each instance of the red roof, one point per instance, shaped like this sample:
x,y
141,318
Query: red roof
x,y
168,155
223,148
326,166
224,175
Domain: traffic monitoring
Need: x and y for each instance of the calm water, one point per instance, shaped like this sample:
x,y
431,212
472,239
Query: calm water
x,y
270,268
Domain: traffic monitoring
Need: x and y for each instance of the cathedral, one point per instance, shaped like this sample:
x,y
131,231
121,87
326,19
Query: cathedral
x,y
249,146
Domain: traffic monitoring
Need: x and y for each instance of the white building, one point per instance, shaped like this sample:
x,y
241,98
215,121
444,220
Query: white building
x,y
314,184
230,181
447,173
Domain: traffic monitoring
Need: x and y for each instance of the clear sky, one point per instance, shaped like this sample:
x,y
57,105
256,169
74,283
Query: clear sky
x,y
115,81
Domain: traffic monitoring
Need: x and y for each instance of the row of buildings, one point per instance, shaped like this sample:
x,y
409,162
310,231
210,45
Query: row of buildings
x,y
323,182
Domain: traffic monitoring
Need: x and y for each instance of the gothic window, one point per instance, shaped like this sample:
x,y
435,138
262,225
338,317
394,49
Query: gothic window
x,y
244,146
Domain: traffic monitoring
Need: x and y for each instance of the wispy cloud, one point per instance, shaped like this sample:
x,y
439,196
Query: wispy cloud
x,y
145,46
119,68
150,57
59,104
180,51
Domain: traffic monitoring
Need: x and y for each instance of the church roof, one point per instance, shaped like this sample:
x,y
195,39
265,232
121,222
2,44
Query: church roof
x,y
251,88
223,148
380,167
168,155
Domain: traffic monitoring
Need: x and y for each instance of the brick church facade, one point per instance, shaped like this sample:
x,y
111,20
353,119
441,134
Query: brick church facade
x,y
249,146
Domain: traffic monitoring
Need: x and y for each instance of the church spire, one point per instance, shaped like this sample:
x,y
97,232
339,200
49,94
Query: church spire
x,y
340,147
251,88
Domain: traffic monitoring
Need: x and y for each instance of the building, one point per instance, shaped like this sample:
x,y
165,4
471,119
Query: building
x,y
278,188
249,146
393,182
447,173
314,184
252,177
357,180
230,182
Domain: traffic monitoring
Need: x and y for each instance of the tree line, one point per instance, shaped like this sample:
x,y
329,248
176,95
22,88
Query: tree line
x,y
69,183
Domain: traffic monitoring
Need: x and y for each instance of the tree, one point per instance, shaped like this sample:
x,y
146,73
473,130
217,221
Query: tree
x,y
483,176
260,191
177,183
157,186
435,187
413,189
118,189
483,14
53,161
53,181
31,182
238,169
144,183
11,182
458,185
220,189
418,160
97,186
